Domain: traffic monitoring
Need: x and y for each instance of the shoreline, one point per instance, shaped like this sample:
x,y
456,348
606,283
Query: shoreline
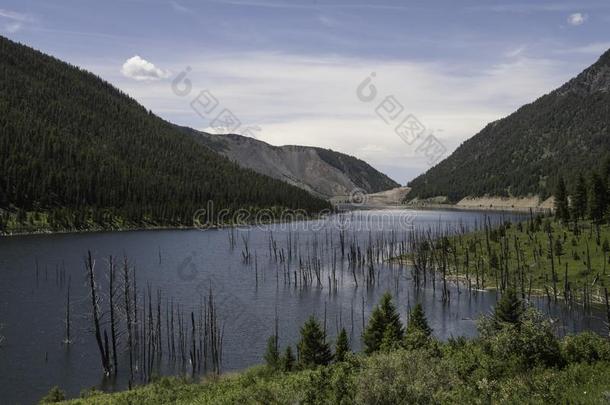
x,y
455,207
158,228
462,280
422,207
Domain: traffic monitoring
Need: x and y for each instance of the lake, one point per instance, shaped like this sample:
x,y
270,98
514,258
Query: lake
x,y
184,265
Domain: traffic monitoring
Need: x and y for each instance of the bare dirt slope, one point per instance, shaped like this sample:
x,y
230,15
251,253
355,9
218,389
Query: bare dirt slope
x,y
320,171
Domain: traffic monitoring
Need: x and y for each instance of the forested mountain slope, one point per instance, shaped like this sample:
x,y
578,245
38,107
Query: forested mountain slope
x,y
565,132
323,172
81,153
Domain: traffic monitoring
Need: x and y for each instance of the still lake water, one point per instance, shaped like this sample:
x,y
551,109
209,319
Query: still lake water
x,y
185,263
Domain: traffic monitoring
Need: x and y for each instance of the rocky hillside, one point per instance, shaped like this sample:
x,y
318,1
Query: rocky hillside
x,y
323,172
565,132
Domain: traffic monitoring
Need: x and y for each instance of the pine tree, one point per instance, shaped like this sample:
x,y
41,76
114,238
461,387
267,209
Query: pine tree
x,y
605,249
313,349
342,347
384,315
418,321
597,198
390,340
579,200
558,249
605,174
287,360
272,356
509,308
562,211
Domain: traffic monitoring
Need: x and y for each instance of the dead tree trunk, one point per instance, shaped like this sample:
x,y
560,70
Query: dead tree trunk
x,y
127,296
90,264
113,335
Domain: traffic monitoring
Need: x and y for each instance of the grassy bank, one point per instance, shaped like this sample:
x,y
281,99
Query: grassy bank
x,y
33,223
538,256
392,378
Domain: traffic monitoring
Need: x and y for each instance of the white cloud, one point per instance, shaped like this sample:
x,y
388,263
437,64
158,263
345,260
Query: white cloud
x,y
140,69
577,19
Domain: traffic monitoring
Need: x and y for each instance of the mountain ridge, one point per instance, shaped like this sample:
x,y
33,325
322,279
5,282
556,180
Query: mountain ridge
x,y
559,134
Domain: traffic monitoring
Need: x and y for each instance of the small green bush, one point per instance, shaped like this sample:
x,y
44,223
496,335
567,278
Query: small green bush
x,y
54,395
586,347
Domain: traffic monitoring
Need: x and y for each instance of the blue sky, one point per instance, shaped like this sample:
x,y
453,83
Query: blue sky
x,y
289,70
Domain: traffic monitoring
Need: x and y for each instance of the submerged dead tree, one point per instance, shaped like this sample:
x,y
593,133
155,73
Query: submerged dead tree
x,y
128,320
90,266
68,339
113,333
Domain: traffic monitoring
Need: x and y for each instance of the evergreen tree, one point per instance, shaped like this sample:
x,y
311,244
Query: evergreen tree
x,y
605,172
272,356
579,200
390,340
342,347
313,349
605,249
597,198
384,315
558,249
509,308
418,321
287,360
562,211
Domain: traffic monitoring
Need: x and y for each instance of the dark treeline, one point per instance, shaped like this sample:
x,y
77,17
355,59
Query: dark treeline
x,y
79,153
588,197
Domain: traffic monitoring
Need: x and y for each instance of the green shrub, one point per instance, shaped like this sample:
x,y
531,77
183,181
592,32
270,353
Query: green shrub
x,y
586,347
523,345
402,377
54,395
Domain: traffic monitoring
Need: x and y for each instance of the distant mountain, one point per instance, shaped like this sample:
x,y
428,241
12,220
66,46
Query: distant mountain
x,y
565,132
323,172
76,153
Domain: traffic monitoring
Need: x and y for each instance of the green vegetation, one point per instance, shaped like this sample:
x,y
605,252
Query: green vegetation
x,y
562,256
540,256
313,348
360,172
76,153
561,133
515,359
383,327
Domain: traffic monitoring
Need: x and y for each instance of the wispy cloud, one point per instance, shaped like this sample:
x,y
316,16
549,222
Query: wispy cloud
x,y
12,21
314,5
327,21
533,6
179,7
